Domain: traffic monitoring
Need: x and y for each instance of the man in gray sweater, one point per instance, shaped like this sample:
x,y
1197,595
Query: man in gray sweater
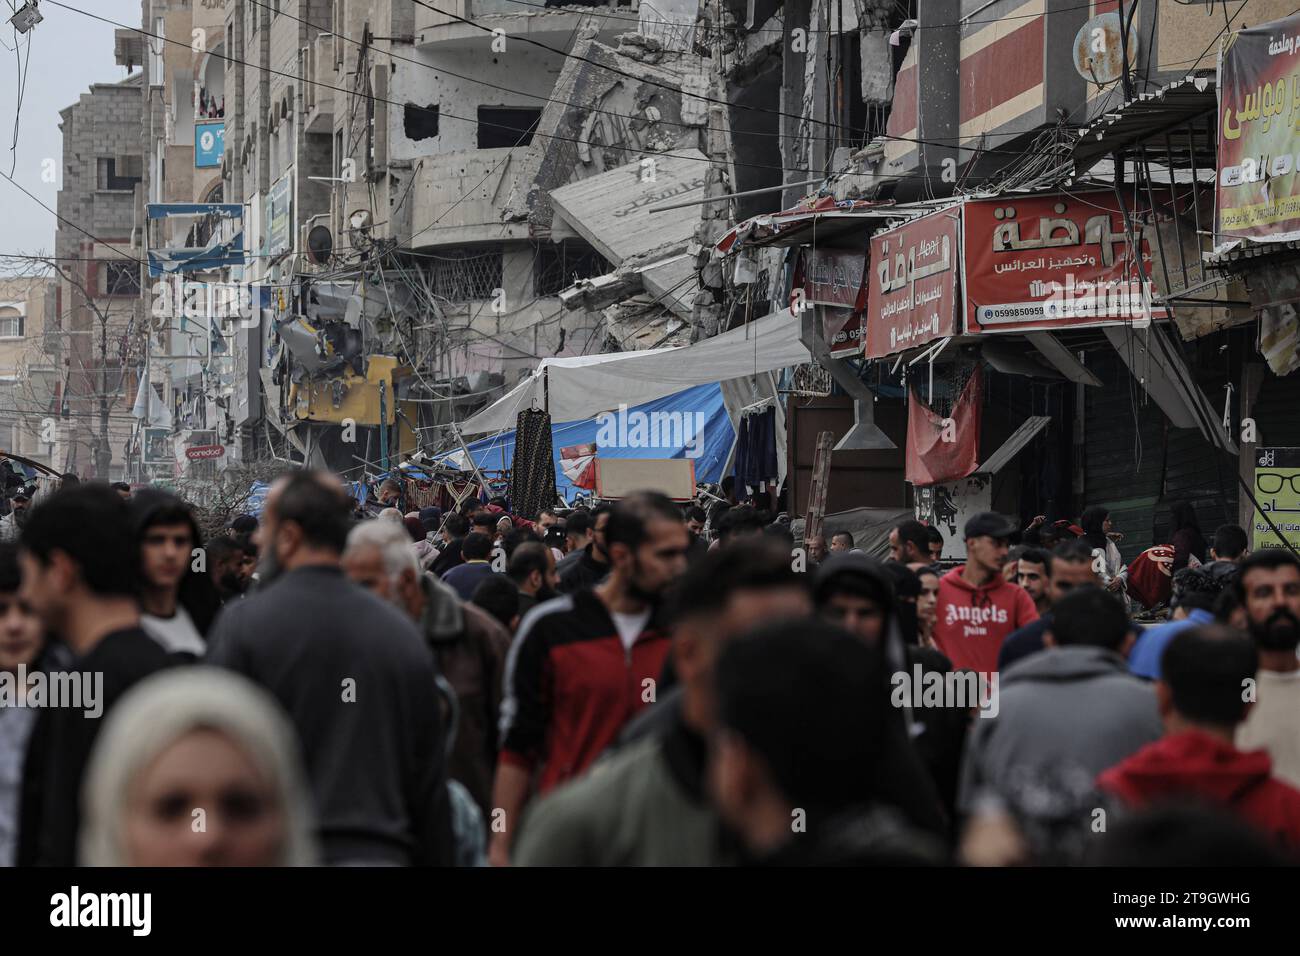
x,y
354,676
1070,711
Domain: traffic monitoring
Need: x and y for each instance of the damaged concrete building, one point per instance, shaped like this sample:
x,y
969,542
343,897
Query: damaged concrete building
x,y
436,196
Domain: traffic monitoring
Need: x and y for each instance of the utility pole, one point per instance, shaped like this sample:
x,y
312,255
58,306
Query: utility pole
x,y
715,213
103,454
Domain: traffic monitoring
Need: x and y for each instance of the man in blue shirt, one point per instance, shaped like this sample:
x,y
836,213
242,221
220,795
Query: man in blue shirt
x,y
476,549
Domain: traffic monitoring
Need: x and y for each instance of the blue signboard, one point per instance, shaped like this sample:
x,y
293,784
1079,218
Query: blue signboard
x,y
278,220
209,144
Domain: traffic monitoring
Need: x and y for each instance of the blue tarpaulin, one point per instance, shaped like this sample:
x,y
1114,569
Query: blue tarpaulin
x,y
691,423
256,500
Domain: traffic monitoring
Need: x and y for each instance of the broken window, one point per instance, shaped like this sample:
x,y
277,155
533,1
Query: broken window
x,y
466,275
502,126
121,278
557,265
109,176
420,122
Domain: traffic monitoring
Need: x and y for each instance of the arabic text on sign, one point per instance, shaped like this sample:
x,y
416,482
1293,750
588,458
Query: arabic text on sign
x,y
669,193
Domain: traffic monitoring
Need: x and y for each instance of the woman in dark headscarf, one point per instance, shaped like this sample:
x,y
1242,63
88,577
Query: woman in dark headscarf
x,y
919,776
1097,526
1185,535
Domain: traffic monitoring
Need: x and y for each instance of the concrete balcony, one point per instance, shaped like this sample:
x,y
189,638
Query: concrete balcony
x,y
551,25
318,94
457,198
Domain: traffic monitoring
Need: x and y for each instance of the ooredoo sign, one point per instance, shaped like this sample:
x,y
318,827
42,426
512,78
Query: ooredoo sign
x,y
204,452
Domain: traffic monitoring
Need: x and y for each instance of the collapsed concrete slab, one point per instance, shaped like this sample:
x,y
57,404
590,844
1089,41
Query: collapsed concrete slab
x,y
612,210
610,107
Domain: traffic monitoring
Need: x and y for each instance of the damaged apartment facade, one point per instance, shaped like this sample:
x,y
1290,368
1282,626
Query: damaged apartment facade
x,y
177,387
438,195
89,338
393,209
434,196
390,158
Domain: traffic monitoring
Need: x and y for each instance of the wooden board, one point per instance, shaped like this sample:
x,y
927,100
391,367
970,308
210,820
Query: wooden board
x,y
620,477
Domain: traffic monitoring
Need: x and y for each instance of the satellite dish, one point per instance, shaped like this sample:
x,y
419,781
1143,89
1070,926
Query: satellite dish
x,y
1098,52
320,244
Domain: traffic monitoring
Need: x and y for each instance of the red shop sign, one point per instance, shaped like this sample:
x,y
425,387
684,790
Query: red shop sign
x,y
842,329
1053,261
834,277
912,284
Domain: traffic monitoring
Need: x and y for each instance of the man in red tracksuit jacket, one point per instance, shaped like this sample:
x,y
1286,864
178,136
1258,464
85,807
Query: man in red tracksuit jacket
x,y
1202,675
584,664
977,608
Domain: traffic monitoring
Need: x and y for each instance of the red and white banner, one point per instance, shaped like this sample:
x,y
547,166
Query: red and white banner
x,y
578,463
1054,261
912,284
944,449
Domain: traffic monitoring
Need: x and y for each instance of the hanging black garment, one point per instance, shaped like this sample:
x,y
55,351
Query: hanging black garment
x,y
532,475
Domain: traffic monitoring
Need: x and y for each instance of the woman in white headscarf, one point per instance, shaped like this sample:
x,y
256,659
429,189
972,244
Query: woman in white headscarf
x,y
196,767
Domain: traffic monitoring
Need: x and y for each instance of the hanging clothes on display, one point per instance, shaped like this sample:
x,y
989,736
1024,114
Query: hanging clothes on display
x,y
756,463
532,474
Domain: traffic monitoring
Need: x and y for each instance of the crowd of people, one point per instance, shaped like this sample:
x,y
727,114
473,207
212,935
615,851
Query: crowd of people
x,y
641,683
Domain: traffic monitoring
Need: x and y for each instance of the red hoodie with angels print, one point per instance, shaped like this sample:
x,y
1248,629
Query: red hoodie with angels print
x,y
972,622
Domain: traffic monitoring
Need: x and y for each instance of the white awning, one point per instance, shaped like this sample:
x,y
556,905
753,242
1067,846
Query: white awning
x,y
584,386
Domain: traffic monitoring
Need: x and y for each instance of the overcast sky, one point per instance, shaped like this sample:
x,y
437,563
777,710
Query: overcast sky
x,y
69,52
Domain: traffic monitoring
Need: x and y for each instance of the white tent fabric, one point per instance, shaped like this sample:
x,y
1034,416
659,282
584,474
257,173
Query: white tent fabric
x,y
587,385
150,407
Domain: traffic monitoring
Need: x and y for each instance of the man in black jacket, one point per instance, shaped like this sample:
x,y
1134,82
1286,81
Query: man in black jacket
x,y
789,775
648,803
592,564
454,530
79,574
355,677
